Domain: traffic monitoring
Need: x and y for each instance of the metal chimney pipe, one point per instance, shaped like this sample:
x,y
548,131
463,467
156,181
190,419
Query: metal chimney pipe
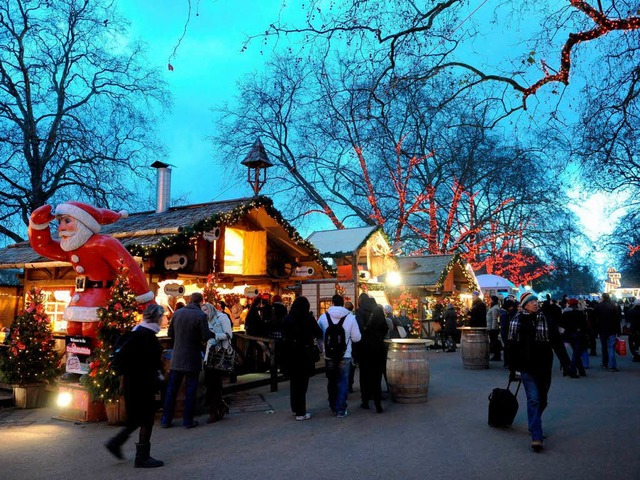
x,y
163,186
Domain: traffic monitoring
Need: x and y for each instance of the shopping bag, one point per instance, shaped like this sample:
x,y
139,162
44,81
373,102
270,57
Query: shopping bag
x,y
222,359
621,347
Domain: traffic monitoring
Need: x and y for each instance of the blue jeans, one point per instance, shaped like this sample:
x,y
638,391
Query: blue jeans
x,y
536,390
191,387
608,342
338,383
577,349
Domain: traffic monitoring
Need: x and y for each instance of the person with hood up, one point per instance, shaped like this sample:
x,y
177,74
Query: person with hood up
x,y
574,323
373,354
337,370
300,331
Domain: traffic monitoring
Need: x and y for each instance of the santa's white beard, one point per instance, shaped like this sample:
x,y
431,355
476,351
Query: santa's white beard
x,y
70,241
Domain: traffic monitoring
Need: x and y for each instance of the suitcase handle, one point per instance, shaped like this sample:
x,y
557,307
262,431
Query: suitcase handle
x,y
517,388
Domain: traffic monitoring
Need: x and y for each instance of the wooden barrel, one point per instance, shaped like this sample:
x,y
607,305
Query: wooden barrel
x,y
475,348
408,370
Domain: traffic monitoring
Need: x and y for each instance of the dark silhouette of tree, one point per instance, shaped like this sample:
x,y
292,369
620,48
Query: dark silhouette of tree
x,y
417,41
76,108
568,277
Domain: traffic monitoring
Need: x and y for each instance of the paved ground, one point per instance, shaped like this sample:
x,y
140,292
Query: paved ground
x,y
592,426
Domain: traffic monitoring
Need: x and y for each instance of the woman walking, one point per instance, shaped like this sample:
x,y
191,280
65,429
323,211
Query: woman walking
x,y
300,331
140,356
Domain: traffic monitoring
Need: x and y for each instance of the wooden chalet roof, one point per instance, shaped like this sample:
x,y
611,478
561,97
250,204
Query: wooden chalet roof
x,y
20,255
430,271
336,243
145,232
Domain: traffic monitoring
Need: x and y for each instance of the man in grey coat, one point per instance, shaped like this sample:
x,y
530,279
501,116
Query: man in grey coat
x,y
189,331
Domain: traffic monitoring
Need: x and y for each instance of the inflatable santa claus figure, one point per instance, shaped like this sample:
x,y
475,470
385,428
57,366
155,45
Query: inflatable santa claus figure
x,y
94,257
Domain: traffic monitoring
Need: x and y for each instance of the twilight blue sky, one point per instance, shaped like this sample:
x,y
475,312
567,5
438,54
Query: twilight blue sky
x,y
207,66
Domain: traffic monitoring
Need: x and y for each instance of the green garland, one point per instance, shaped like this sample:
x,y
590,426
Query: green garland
x,y
183,238
456,260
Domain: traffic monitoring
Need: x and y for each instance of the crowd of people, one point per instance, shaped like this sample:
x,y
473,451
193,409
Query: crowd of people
x,y
524,334
529,332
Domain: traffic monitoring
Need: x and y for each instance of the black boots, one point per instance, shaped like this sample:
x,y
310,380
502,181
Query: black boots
x,y
218,412
115,444
143,459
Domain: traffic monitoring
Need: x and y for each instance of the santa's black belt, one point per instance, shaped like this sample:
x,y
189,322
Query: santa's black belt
x,y
97,284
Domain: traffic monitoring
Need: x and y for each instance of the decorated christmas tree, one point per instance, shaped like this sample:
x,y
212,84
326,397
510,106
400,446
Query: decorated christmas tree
x,y
210,291
31,357
409,303
118,317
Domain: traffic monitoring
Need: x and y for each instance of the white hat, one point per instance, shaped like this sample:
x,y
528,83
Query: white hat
x,y
89,215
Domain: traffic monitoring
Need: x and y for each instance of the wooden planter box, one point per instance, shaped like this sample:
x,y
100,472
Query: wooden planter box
x,y
116,413
29,396
82,407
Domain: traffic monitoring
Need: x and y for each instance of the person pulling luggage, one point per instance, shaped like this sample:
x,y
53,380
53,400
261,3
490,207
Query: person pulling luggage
x,y
533,338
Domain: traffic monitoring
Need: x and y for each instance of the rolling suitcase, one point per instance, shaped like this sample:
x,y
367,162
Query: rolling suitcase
x,y
503,406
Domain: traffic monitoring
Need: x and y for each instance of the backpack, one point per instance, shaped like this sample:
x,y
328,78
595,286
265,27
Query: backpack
x,y
118,357
335,339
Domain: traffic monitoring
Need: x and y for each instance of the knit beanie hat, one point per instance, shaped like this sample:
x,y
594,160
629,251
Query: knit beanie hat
x,y
527,297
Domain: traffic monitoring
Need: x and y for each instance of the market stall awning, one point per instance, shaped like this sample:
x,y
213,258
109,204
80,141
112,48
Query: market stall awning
x,y
435,272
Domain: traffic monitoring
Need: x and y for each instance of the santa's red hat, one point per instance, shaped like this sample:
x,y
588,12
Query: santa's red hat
x,y
89,215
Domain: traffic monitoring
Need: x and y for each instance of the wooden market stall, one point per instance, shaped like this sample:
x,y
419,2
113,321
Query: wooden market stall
x,y
361,256
430,278
244,247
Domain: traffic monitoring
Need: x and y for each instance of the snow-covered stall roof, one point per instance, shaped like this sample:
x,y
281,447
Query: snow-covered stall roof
x,y
341,242
494,282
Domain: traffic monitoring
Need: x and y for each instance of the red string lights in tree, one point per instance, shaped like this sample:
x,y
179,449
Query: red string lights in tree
x,y
604,25
400,177
326,210
371,197
483,242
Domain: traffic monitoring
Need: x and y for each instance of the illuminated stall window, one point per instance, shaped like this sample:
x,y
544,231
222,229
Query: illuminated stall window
x,y
245,252
55,303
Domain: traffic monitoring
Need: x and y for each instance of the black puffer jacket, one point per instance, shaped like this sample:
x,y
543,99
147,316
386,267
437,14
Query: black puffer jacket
x,y
608,318
143,361
529,351
374,329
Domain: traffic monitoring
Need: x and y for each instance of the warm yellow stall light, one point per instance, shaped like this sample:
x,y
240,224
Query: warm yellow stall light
x,y
394,278
64,399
